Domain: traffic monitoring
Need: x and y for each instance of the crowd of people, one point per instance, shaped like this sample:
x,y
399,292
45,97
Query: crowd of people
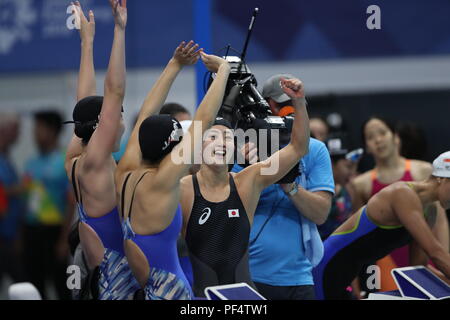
x,y
144,226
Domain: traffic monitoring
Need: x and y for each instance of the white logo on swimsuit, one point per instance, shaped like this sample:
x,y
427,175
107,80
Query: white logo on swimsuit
x,y
16,18
233,213
205,216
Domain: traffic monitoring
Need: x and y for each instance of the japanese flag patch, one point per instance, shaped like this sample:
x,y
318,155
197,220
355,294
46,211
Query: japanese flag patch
x,y
233,213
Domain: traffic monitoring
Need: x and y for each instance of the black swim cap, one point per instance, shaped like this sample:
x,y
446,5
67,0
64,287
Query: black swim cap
x,y
158,135
219,121
85,115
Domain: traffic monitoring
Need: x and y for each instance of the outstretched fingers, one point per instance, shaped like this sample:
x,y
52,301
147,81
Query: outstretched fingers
x,y
187,47
179,49
192,50
187,53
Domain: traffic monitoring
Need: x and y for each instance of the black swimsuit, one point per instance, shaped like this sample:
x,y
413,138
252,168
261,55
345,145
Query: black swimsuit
x,y
218,237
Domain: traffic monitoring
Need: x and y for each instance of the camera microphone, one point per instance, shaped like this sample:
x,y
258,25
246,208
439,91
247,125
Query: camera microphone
x,y
231,97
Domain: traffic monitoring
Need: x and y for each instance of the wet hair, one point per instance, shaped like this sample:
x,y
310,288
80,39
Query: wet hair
x,y
219,121
51,119
389,123
158,135
414,142
173,109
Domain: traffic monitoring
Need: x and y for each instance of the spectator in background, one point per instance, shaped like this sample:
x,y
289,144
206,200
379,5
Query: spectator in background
x,y
177,111
413,140
50,208
11,209
383,143
284,242
319,128
344,164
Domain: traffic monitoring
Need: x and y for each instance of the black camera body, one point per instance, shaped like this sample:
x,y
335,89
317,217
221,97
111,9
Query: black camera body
x,y
245,108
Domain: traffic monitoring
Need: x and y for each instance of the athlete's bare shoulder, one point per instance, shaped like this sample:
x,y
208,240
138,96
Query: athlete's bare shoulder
x,y
399,191
186,182
382,204
363,178
393,203
362,183
390,194
420,170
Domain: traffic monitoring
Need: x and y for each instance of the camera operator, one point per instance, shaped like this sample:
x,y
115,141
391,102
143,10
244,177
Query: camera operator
x,y
284,241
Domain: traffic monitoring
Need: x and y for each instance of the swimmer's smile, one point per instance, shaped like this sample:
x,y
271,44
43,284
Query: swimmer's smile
x,y
220,152
219,155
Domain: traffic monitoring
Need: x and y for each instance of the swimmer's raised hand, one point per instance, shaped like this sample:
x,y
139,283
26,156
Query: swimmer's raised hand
x,y
212,62
87,27
187,53
119,10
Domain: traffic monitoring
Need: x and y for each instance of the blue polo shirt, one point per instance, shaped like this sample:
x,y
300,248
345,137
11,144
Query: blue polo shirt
x,y
277,254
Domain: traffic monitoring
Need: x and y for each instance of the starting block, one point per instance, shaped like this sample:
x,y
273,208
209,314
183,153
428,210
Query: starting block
x,y
236,291
415,283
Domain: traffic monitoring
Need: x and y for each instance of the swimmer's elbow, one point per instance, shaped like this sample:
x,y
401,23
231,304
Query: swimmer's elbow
x,y
299,149
116,91
114,88
323,217
321,220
